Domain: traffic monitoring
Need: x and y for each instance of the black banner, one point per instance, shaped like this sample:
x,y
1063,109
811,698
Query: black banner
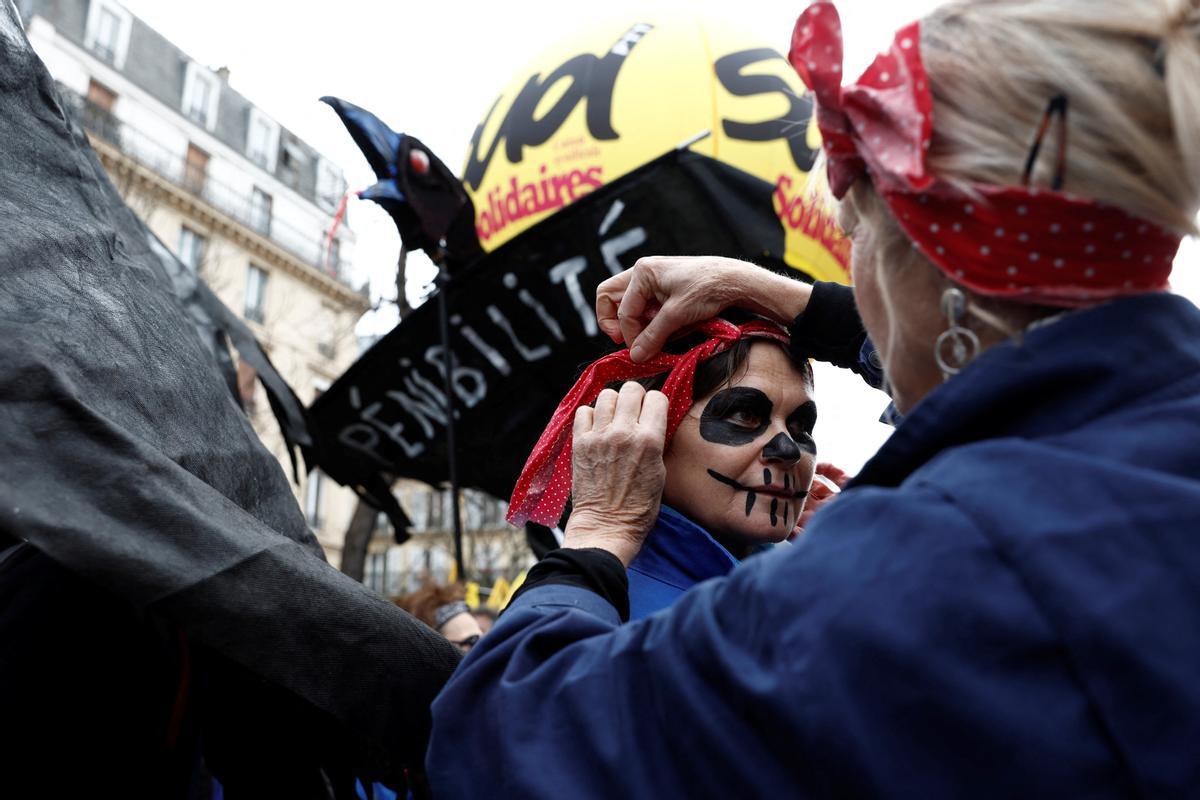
x,y
523,325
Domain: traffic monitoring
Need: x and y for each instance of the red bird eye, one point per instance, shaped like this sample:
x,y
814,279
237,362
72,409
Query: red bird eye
x,y
419,161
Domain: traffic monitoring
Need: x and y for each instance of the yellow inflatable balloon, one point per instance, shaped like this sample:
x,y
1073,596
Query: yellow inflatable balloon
x,y
595,107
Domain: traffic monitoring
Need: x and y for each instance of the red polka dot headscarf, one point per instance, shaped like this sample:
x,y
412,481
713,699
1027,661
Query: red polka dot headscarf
x,y
1023,243
545,484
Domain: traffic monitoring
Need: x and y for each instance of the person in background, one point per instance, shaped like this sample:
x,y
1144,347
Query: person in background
x,y
486,618
442,607
1003,602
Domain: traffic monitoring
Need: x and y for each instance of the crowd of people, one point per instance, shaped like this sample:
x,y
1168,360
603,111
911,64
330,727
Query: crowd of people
x,y
1001,603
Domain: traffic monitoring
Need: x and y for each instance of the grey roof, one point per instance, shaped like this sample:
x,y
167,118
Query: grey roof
x,y
158,67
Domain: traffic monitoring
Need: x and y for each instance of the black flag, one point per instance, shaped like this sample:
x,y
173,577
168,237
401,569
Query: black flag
x,y
523,324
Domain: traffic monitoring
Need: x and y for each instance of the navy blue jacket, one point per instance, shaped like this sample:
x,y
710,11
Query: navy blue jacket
x,y
676,556
1006,603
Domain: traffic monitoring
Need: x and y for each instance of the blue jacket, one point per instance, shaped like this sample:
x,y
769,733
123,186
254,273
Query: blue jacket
x,y
676,556
1005,604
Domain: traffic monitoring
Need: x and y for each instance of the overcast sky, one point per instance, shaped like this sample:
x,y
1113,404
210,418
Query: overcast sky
x,y
433,69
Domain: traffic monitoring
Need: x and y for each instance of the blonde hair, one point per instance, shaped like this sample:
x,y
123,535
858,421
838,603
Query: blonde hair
x,y
1130,70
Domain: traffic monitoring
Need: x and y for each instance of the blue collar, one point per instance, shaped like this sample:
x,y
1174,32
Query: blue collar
x,y
1061,376
681,553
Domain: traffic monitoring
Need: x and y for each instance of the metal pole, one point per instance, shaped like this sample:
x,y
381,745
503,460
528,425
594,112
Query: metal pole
x,y
451,452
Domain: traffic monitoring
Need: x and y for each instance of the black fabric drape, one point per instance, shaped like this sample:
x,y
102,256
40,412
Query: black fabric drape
x,y
128,463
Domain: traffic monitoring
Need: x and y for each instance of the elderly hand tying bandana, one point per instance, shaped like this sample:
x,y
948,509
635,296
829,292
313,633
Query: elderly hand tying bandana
x,y
545,482
1021,243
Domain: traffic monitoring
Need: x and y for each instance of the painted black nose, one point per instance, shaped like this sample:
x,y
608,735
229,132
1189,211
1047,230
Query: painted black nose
x,y
782,448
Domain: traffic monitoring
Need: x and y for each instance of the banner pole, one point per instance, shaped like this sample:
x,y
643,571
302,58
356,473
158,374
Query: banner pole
x,y
451,449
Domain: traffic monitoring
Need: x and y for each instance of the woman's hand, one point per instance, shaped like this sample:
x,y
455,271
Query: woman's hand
x,y
828,482
644,305
617,470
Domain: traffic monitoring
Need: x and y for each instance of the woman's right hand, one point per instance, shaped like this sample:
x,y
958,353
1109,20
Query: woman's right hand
x,y
617,470
659,295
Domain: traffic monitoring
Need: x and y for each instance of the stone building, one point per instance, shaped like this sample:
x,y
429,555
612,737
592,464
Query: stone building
x,y
492,549
240,198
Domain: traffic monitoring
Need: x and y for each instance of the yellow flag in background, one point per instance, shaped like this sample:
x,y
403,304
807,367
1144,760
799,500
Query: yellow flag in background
x,y
472,597
499,596
516,584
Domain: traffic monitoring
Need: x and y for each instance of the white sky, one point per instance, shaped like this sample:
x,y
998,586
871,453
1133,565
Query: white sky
x,y
432,69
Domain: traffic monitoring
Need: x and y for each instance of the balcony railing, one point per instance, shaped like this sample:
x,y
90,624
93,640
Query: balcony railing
x,y
104,52
306,245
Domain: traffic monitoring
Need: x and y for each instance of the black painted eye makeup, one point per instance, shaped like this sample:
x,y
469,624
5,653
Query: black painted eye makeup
x,y
800,424
735,416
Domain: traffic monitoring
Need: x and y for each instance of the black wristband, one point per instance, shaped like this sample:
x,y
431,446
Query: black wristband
x,y
588,568
829,329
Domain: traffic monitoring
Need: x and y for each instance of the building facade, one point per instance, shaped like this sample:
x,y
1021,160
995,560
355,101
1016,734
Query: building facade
x,y
492,549
237,196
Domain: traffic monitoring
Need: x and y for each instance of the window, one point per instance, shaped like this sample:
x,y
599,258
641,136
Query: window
x,y
330,186
294,167
383,573
197,107
195,169
98,114
312,498
333,260
107,33
441,511
294,157
260,211
256,292
383,528
375,572
262,140
200,93
100,96
191,248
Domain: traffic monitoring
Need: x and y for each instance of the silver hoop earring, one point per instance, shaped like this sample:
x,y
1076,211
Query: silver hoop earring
x,y
957,346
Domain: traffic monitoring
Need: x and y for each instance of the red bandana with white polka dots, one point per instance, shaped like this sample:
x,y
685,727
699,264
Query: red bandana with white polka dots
x,y
1021,243
545,483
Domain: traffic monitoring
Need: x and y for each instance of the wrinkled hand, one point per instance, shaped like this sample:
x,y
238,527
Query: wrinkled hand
x,y
659,295
617,470
821,493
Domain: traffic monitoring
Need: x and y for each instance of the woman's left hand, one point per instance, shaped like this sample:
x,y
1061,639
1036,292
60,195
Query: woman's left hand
x,y
828,482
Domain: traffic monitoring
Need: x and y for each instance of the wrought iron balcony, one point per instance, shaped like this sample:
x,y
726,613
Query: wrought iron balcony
x,y
307,245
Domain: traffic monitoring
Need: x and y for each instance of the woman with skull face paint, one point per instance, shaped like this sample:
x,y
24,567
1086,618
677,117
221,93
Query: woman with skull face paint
x,y
738,470
740,459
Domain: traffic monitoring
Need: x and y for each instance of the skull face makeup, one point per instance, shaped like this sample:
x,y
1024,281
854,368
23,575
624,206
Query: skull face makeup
x,y
742,459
